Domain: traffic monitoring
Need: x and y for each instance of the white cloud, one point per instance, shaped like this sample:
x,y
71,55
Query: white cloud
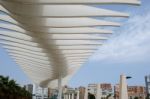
x,y
130,44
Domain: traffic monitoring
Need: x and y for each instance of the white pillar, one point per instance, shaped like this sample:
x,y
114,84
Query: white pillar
x,y
123,88
59,88
72,96
34,91
69,96
98,92
66,96
42,93
78,93
86,93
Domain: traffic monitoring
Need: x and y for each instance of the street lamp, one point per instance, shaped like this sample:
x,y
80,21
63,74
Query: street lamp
x,y
128,77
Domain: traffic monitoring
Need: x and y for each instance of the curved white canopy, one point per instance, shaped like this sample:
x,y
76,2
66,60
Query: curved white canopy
x,y
53,38
77,1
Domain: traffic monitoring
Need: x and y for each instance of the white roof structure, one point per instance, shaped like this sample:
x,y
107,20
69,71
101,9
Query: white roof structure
x,y
53,38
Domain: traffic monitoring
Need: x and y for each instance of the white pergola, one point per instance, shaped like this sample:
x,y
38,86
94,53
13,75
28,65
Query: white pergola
x,y
51,39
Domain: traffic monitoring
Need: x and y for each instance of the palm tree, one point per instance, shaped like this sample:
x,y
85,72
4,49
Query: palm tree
x,y
9,89
13,86
1,87
5,89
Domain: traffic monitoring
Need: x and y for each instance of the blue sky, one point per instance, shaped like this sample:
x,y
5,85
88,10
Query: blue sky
x,y
127,51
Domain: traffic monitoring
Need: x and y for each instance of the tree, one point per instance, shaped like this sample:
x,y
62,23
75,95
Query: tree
x,y
108,96
13,86
136,98
5,86
9,89
91,96
148,96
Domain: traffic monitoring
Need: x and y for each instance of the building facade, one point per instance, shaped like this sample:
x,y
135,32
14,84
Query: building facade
x,y
52,93
106,90
92,88
81,92
29,88
133,92
147,82
136,91
40,92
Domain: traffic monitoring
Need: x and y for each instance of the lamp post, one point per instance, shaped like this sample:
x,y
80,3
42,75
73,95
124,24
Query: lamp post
x,y
128,77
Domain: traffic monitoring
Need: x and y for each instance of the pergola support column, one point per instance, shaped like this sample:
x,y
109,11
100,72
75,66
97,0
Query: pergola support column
x,y
59,87
42,93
